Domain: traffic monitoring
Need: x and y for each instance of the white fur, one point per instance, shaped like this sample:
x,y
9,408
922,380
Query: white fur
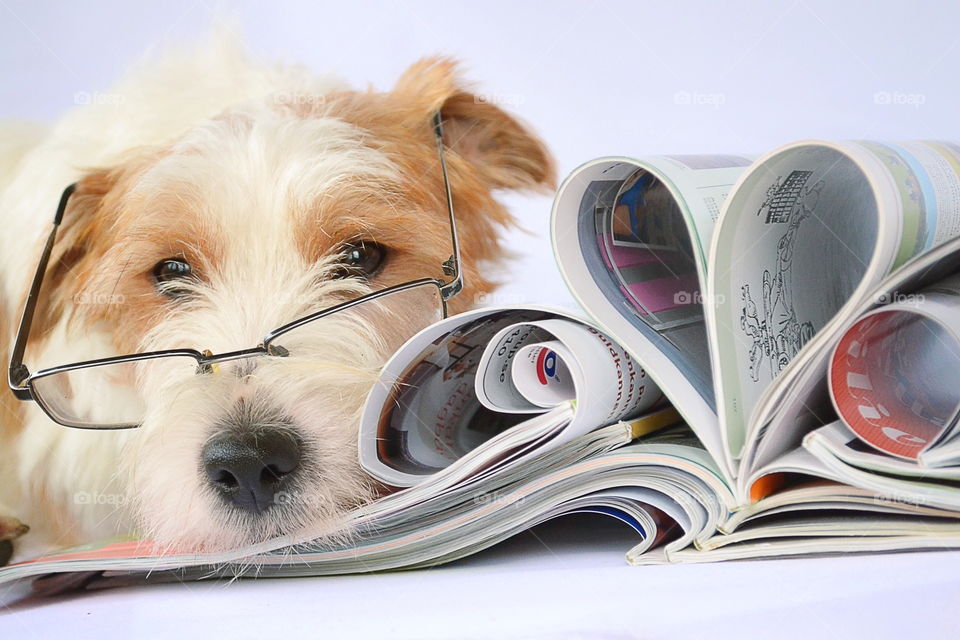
x,y
148,478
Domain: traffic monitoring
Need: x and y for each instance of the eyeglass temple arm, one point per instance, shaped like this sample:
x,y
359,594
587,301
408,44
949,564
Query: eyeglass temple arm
x,y
18,372
452,265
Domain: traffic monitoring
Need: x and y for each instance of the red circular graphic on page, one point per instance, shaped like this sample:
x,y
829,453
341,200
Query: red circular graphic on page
x,y
546,365
881,389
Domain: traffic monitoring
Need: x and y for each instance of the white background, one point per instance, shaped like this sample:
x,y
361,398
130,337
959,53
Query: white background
x,y
593,78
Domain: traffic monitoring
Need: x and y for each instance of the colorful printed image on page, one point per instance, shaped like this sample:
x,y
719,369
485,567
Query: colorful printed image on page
x,y
646,250
891,384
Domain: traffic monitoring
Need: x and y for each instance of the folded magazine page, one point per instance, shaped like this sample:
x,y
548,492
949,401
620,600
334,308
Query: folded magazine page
x,y
494,384
809,232
906,286
886,375
855,462
630,236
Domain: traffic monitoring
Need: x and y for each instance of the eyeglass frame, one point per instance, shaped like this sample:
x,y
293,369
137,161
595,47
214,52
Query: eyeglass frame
x,y
20,379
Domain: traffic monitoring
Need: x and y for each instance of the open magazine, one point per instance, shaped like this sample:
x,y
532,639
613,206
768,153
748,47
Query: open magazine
x,y
822,289
768,372
735,316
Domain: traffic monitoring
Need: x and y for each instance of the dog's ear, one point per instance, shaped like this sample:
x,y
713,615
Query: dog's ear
x,y
78,232
78,229
89,222
505,153
79,218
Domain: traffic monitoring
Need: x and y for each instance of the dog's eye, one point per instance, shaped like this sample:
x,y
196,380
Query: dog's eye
x,y
362,259
167,273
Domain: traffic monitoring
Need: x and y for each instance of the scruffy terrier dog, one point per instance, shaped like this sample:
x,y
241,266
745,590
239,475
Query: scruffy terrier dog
x,y
216,200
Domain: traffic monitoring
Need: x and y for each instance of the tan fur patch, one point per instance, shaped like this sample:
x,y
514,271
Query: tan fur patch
x,y
486,150
102,264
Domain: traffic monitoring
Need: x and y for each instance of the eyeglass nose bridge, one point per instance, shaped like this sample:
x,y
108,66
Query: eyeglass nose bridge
x,y
208,361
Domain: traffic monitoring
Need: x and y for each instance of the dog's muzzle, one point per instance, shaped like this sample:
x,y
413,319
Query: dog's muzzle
x,y
251,470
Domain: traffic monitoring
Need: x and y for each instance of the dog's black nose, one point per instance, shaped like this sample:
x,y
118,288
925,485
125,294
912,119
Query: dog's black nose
x,y
250,469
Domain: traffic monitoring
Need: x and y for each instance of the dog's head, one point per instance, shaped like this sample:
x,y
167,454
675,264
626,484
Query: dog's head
x,y
248,221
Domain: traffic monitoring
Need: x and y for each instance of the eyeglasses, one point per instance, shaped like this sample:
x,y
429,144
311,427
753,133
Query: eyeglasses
x,y
68,394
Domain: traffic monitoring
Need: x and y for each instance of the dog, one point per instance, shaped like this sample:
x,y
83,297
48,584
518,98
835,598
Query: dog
x,y
217,198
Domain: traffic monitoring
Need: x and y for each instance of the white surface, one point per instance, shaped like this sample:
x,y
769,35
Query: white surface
x,y
595,78
565,580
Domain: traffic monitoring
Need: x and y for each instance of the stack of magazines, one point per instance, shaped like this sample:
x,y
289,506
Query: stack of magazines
x,y
767,366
